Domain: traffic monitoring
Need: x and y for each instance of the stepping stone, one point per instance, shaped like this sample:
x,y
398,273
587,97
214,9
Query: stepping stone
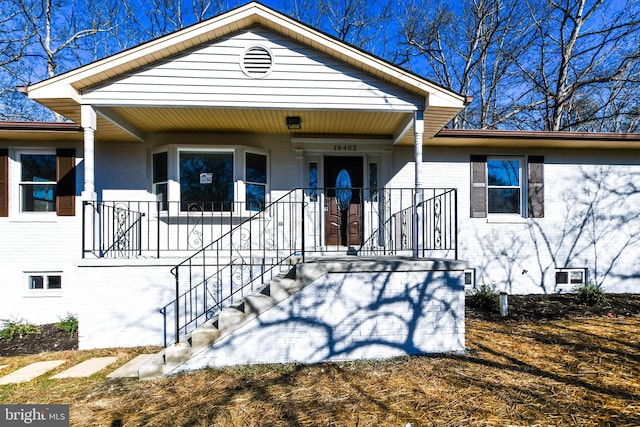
x,y
30,372
130,369
86,368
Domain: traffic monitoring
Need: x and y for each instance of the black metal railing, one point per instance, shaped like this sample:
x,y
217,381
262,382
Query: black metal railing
x,y
384,221
163,228
376,222
118,234
235,264
422,223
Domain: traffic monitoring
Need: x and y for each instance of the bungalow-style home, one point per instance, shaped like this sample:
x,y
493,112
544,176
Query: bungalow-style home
x,y
249,190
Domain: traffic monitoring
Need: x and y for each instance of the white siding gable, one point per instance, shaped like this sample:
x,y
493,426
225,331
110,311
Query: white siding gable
x,y
211,76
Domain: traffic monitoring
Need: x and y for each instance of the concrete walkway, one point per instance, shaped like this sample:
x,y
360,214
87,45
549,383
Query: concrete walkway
x,y
30,372
82,369
86,368
130,369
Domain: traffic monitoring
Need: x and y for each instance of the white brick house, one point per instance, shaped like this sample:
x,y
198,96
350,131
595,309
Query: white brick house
x,y
329,151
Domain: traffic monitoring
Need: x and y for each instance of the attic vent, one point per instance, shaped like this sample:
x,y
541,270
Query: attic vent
x,y
257,62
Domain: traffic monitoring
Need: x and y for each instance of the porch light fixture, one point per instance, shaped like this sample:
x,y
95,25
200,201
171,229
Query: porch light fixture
x,y
294,123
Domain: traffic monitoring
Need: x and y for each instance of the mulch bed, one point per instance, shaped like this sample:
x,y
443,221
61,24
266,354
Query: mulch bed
x,y
51,338
559,306
521,308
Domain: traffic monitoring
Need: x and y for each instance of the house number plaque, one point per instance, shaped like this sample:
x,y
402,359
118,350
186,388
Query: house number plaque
x,y
345,147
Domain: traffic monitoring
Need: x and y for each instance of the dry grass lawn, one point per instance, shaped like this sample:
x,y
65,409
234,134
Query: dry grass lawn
x,y
563,372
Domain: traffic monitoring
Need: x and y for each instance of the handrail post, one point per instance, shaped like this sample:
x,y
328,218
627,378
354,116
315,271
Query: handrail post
x,y
302,225
455,223
140,234
158,229
177,310
84,226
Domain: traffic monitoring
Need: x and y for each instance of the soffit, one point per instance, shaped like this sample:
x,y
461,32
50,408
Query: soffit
x,y
524,139
158,120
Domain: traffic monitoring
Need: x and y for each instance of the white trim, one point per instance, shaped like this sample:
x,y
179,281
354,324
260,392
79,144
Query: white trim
x,y
503,217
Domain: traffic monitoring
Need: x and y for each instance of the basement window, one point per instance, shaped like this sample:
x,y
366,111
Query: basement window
x,y
470,279
44,281
571,277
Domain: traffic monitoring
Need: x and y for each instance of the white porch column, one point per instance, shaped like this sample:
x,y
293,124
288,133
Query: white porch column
x,y
89,124
418,129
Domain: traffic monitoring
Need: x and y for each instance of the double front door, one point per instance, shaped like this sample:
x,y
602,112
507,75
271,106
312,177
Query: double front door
x,y
343,181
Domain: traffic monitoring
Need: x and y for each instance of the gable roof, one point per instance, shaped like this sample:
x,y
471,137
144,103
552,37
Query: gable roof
x,y
253,13
63,93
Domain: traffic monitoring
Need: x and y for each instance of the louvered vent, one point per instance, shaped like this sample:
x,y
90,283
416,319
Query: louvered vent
x,y
257,62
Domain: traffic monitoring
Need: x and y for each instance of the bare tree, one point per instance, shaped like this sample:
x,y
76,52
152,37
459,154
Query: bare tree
x,y
471,50
583,54
149,19
359,22
14,38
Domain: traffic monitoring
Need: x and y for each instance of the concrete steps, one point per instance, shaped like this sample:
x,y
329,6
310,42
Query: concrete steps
x,y
225,322
272,294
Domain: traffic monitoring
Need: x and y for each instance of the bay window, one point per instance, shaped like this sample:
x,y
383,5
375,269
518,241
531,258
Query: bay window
x,y
206,178
210,179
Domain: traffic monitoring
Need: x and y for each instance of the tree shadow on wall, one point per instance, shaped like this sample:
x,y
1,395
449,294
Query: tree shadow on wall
x,y
347,315
594,224
600,227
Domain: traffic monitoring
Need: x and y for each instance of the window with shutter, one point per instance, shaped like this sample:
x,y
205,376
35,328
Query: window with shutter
x,y
497,186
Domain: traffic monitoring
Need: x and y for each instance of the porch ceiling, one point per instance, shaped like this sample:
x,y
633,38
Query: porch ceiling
x,y
253,121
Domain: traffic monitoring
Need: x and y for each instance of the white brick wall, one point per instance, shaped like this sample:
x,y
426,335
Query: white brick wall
x,y
347,316
585,225
118,306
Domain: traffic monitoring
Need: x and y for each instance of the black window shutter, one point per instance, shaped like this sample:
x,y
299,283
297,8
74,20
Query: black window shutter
x,y
66,177
535,186
4,182
478,186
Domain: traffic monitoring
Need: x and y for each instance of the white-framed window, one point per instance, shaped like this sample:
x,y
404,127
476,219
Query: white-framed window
x,y
44,281
160,166
255,166
470,278
225,179
206,178
37,181
570,277
507,187
504,185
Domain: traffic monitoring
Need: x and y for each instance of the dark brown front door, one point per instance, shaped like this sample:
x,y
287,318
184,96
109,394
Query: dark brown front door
x,y
343,177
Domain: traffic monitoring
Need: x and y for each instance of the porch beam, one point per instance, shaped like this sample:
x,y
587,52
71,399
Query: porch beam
x,y
404,128
88,121
121,122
